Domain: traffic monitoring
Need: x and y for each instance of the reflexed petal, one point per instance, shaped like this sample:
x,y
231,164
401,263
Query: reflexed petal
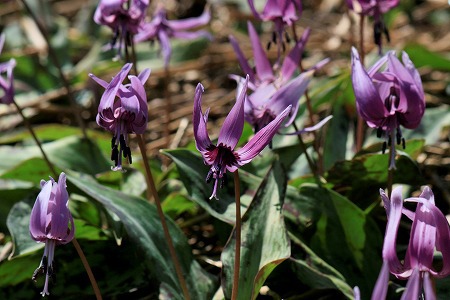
x,y
262,64
191,35
412,287
149,32
368,101
254,11
242,60
428,287
233,125
39,213
202,141
312,128
99,81
356,293
292,60
166,49
385,5
413,71
144,75
389,246
290,95
381,286
190,23
110,93
272,9
58,209
260,140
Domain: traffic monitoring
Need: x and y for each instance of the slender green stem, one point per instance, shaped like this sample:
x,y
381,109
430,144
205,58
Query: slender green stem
x,y
55,175
80,252
35,138
237,230
54,57
168,238
360,122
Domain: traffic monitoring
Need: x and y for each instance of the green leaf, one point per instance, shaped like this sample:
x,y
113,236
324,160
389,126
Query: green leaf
x,y
341,234
422,57
142,223
193,172
18,224
12,191
317,273
264,240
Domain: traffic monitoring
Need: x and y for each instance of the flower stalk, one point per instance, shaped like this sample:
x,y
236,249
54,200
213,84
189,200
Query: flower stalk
x,y
154,193
360,121
237,230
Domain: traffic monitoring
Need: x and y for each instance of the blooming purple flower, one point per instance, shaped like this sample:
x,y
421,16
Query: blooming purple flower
x,y
223,156
51,223
429,231
162,29
6,84
390,98
375,9
124,17
281,12
272,93
123,110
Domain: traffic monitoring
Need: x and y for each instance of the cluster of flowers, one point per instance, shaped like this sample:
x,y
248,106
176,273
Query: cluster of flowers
x,y
386,97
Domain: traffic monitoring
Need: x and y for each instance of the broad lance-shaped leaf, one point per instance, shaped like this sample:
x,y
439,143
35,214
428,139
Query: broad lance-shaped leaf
x,y
264,238
141,221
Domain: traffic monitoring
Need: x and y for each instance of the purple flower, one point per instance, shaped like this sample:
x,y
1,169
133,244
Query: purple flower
x,y
223,156
51,223
429,231
272,93
375,9
281,12
162,29
124,17
123,110
390,98
6,84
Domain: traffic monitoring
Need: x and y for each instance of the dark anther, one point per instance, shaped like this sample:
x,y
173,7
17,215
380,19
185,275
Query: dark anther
x,y
287,37
377,31
283,46
384,147
209,176
224,180
403,143
122,142
115,155
38,272
274,37
386,33
113,142
51,273
398,137
389,142
379,132
268,46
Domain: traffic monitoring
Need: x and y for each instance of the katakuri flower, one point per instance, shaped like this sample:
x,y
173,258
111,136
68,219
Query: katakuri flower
x,y
124,17
429,232
162,30
123,109
390,98
51,223
272,93
7,83
223,157
375,9
281,12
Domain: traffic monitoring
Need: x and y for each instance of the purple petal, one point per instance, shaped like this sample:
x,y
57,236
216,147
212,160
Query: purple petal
x,y
202,141
381,286
389,246
293,59
290,95
312,128
272,9
190,23
149,32
356,293
137,88
192,35
58,209
110,93
262,64
428,287
242,60
252,8
233,125
144,75
39,213
412,287
99,81
260,140
166,49
368,101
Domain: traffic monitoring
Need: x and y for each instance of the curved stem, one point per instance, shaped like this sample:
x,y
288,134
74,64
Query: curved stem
x,y
154,193
360,121
237,230
75,243
35,138
54,57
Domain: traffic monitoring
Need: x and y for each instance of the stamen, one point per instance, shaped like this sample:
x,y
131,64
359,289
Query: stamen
x,y
384,148
40,270
287,37
224,181
115,155
398,136
379,132
209,176
403,143
389,142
